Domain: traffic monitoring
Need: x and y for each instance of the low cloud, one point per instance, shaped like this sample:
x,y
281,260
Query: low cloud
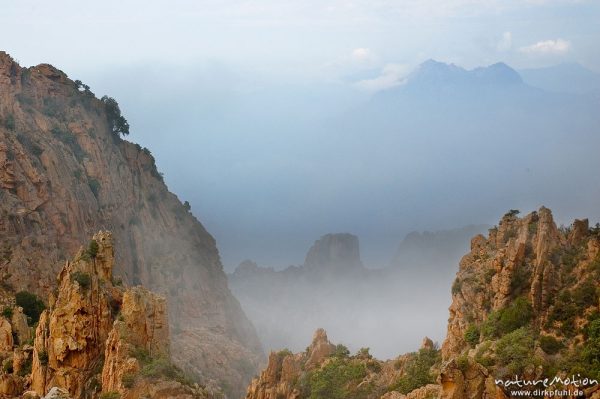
x,y
548,47
391,75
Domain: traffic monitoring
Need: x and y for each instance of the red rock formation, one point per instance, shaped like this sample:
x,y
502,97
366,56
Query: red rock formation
x,y
65,175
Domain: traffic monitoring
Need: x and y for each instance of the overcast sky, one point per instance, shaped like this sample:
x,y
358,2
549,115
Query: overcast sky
x,y
309,38
226,94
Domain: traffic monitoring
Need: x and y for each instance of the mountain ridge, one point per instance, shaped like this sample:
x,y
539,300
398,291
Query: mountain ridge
x,y
65,173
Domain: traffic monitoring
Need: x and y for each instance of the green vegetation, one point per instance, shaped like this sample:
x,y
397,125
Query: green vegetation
x,y
82,87
512,213
338,379
7,365
532,228
32,305
519,282
518,314
472,335
363,353
51,107
9,122
68,138
7,312
481,357
110,395
43,357
94,186
456,286
585,359
83,279
93,248
341,351
29,145
418,371
567,258
514,351
128,380
550,345
158,367
586,294
570,304
463,362
283,353
25,369
116,122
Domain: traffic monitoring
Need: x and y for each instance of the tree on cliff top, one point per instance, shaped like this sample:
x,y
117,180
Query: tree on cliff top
x,y
117,123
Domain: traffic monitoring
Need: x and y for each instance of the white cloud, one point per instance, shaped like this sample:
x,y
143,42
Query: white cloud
x,y
548,47
391,75
505,42
362,54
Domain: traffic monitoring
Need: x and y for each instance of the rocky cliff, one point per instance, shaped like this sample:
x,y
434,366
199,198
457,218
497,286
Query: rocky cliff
x,y
305,296
525,302
334,252
96,339
329,371
65,173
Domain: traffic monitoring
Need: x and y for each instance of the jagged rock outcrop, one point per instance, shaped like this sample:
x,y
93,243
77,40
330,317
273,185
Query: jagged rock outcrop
x,y
525,302
64,174
312,291
141,327
334,252
70,336
283,370
138,350
98,337
327,370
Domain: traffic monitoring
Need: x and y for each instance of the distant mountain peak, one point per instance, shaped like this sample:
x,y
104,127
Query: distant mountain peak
x,y
334,251
498,73
436,73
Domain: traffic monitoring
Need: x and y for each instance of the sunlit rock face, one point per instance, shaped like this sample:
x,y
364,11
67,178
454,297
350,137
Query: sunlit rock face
x,y
530,288
99,338
308,373
70,336
65,175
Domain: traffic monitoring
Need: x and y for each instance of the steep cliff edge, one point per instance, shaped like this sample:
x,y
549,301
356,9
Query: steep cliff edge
x,y
96,339
525,303
70,335
525,307
65,174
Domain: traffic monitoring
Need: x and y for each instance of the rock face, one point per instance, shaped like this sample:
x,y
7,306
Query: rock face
x,y
287,305
138,349
65,175
334,252
71,335
525,302
97,337
325,370
143,326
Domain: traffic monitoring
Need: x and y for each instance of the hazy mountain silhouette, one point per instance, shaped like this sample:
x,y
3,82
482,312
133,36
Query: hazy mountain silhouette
x,y
566,78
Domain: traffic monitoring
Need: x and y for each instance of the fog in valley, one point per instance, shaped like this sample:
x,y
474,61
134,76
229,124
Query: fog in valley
x,y
281,124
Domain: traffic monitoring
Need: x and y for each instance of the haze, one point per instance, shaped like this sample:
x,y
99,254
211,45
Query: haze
x,y
283,121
